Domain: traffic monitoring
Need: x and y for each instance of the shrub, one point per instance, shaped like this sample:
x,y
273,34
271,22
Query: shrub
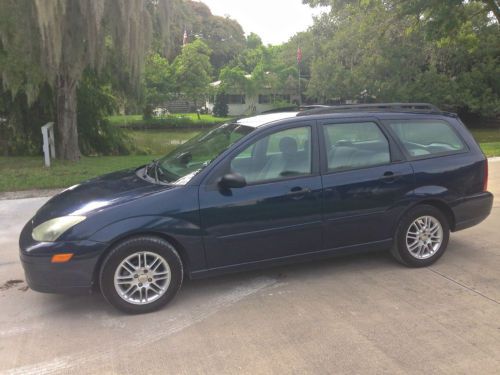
x,y
221,108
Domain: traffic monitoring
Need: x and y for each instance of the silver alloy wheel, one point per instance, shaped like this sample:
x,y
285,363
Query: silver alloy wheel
x,y
142,278
424,237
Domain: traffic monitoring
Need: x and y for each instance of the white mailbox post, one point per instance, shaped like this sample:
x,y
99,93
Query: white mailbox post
x,y
49,146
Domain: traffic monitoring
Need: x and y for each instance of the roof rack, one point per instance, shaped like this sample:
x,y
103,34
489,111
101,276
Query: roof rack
x,y
375,107
295,108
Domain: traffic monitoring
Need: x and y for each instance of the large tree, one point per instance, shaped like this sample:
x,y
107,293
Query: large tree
x,y
61,38
193,70
377,50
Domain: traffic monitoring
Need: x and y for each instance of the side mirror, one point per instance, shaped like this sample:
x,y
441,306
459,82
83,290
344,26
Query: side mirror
x,y
232,180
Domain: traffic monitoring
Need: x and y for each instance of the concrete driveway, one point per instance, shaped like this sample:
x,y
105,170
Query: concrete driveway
x,y
352,315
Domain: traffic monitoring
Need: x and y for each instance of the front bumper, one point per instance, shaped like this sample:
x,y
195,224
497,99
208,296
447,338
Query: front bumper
x,y
472,210
75,276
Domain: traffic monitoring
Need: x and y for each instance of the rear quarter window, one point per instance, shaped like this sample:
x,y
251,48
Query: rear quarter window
x,y
422,138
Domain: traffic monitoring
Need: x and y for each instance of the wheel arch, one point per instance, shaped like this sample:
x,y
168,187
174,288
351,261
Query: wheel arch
x,y
437,203
170,239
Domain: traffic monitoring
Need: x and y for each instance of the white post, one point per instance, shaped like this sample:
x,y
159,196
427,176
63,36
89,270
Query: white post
x,y
49,147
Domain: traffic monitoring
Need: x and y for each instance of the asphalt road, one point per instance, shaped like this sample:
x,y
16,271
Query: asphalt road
x,y
351,315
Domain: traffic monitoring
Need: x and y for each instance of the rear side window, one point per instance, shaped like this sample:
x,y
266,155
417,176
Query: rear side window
x,y
355,145
421,138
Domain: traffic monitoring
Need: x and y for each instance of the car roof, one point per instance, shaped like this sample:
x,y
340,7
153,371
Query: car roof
x,y
344,112
260,120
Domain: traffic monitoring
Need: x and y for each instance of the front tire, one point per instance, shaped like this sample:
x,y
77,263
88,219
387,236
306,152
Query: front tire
x,y
422,237
141,274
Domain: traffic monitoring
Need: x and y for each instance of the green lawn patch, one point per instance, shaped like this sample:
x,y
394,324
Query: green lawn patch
x,y
22,173
159,142
491,148
173,121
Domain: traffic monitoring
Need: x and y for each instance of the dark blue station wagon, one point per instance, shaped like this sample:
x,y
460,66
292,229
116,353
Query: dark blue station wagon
x,y
264,190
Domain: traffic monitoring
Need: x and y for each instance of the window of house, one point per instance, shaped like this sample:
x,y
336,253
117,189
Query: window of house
x,y
264,99
235,99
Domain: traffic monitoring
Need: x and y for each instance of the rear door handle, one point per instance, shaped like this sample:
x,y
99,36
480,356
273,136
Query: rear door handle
x,y
390,176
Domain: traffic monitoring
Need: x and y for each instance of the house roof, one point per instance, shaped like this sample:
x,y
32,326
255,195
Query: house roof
x,y
260,120
217,83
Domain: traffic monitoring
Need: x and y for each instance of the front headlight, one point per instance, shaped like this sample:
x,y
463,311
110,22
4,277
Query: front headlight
x,y
50,230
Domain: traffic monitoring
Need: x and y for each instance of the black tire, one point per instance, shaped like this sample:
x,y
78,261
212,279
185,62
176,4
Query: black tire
x,y
400,249
128,247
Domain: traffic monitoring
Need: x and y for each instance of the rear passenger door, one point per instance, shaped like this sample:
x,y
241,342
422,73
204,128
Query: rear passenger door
x,y
365,181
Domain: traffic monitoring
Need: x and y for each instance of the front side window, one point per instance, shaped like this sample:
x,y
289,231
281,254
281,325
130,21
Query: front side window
x,y
426,137
180,165
355,145
280,155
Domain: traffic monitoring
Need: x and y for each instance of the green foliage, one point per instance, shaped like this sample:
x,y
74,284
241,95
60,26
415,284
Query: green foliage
x,y
96,134
158,80
224,36
221,108
253,41
377,50
193,70
21,129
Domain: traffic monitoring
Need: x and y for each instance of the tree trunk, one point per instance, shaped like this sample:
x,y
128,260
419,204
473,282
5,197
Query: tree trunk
x,y
66,119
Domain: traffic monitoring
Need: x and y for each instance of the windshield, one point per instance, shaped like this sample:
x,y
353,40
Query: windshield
x,y
183,163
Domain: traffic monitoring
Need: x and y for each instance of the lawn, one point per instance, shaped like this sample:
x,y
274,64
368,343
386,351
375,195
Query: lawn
x,y
21,173
172,119
489,140
159,142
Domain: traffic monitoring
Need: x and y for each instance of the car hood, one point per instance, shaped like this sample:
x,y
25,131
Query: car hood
x,y
97,194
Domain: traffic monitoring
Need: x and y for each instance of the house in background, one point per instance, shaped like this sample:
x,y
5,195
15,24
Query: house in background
x,y
241,103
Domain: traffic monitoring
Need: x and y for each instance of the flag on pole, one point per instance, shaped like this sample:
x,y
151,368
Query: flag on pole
x,y
185,38
299,55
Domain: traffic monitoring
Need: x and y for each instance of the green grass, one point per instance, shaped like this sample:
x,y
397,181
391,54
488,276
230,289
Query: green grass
x,y
179,120
489,140
21,173
486,135
159,142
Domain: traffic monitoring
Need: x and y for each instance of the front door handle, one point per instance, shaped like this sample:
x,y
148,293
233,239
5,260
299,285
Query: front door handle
x,y
298,192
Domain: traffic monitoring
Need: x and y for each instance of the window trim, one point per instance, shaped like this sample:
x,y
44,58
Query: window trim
x,y
409,157
210,180
393,151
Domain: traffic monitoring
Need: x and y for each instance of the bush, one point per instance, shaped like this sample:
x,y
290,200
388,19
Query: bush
x,y
20,122
221,108
96,134
147,112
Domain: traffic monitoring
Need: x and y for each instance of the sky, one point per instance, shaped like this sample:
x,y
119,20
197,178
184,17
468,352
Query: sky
x,y
275,21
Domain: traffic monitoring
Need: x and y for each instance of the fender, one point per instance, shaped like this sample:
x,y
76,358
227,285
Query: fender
x,y
183,233
438,196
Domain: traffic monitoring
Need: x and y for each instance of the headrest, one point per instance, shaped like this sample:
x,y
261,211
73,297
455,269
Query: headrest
x,y
288,145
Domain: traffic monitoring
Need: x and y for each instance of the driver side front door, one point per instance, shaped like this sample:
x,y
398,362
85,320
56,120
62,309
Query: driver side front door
x,y
278,213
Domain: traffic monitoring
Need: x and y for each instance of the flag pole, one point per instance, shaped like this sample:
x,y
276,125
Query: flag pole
x,y
299,60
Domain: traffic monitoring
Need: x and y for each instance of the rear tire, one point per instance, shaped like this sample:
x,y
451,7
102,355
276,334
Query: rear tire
x,y
422,237
141,274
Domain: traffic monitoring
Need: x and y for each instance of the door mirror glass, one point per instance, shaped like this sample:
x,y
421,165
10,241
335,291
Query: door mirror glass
x,y
232,180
